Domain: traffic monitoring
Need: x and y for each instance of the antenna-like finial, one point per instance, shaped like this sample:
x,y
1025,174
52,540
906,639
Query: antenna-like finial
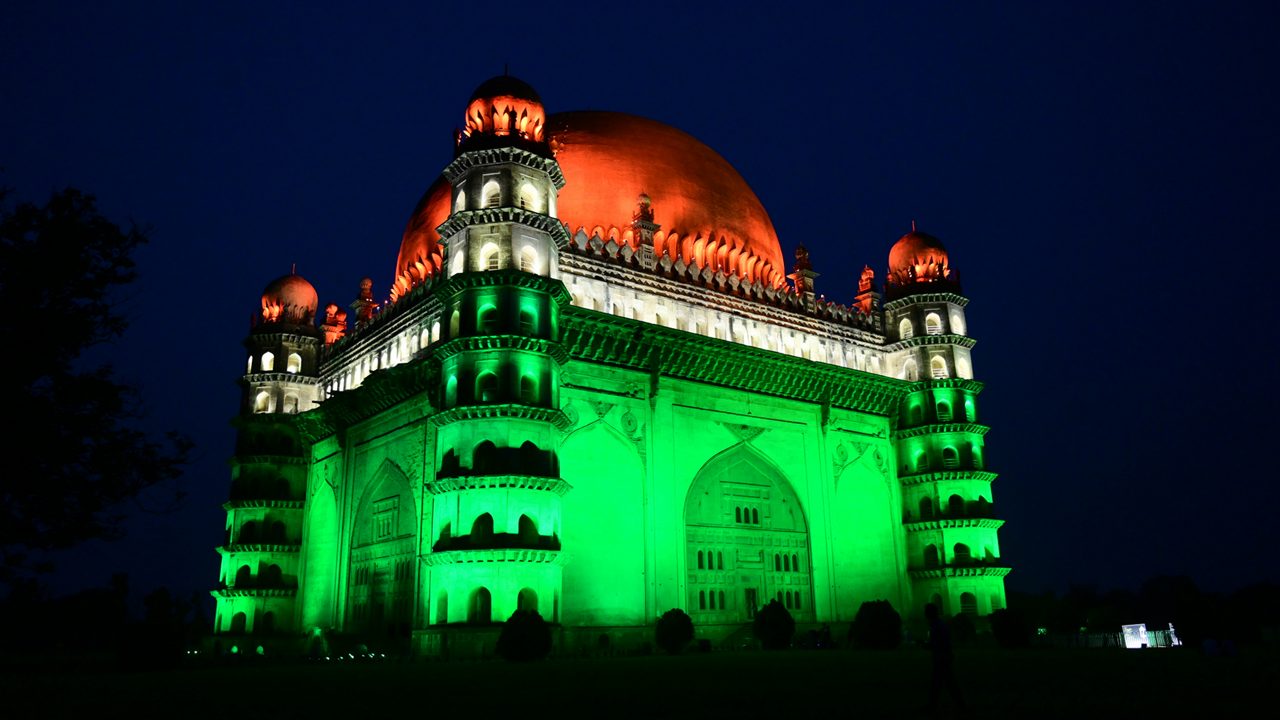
x,y
293,269
913,226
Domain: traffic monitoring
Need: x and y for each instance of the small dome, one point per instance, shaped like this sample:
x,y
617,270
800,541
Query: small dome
x,y
918,257
505,86
289,299
504,111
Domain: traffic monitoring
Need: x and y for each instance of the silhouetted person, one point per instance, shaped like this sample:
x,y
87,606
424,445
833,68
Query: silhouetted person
x,y
943,660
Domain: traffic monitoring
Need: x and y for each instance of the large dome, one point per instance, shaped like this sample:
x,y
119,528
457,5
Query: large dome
x,y
707,212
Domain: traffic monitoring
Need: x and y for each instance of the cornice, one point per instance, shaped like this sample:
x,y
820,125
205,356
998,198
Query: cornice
x,y
952,523
480,343
947,476
600,338
964,571
494,555
497,482
941,429
463,219
928,297
269,504
254,592
963,341
502,410
470,159
237,548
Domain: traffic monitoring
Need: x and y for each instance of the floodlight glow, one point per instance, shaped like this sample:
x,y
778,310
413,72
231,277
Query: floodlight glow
x,y
1135,636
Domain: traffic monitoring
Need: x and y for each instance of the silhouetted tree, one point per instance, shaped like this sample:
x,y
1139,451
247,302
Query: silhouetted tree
x,y
876,626
674,630
72,449
774,626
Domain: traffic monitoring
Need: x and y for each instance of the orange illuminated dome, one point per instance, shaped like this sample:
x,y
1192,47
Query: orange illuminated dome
x,y
918,258
709,216
289,299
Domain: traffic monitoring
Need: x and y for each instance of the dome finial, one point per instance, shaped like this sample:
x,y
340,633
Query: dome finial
x,y
913,225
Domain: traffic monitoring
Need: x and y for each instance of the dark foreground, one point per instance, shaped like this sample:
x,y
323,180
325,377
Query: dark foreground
x,y
817,684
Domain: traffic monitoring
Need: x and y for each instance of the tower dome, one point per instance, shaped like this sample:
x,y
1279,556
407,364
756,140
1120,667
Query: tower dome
x,y
918,257
504,109
289,299
708,215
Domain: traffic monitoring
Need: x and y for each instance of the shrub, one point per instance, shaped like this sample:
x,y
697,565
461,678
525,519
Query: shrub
x,y
1010,629
774,626
674,631
877,626
525,637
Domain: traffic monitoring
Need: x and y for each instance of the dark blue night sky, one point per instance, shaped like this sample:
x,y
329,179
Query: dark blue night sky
x,y
1104,175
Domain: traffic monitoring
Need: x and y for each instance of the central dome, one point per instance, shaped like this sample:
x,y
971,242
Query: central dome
x,y
708,214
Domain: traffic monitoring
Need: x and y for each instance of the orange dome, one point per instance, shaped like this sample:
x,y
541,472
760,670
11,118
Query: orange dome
x,y
290,299
708,214
917,257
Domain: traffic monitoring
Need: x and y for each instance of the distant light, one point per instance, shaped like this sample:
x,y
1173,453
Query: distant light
x,y
1135,636
235,649
261,650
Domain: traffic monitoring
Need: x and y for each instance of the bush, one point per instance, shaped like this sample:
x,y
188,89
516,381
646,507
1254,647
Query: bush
x,y
525,637
774,626
877,626
674,631
1010,629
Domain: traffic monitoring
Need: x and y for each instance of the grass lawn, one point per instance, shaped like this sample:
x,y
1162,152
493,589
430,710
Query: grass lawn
x,y
836,683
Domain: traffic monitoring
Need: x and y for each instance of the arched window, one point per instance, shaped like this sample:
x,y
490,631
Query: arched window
x,y
238,622
950,458
932,324
755,516
528,390
480,609
276,534
957,323
963,369
922,462
721,599
797,599
528,323
262,402
528,260
955,506
737,514
492,194
926,509
249,368
786,563
795,562
487,320
938,367
268,362
451,391
442,608
455,324
700,560
290,404
968,604
294,363
266,624
460,202
975,452
931,556
272,576
719,560
490,258
909,372
527,600
960,552
969,413
777,562
482,530
944,412
702,599
528,531
905,330
917,414
487,388
529,198
244,576
459,263
787,596
711,604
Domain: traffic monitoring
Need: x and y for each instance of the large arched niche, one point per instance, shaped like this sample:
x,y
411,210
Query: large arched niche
x,y
603,528
320,582
383,537
746,540
865,527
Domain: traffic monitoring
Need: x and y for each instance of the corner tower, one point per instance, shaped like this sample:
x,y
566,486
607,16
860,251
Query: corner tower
x,y
258,578
952,544
495,535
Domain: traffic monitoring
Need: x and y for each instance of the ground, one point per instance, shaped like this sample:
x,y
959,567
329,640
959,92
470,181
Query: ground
x,y
835,683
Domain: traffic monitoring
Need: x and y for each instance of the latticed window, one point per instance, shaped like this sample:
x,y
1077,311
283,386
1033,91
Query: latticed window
x,y
950,458
938,367
933,325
